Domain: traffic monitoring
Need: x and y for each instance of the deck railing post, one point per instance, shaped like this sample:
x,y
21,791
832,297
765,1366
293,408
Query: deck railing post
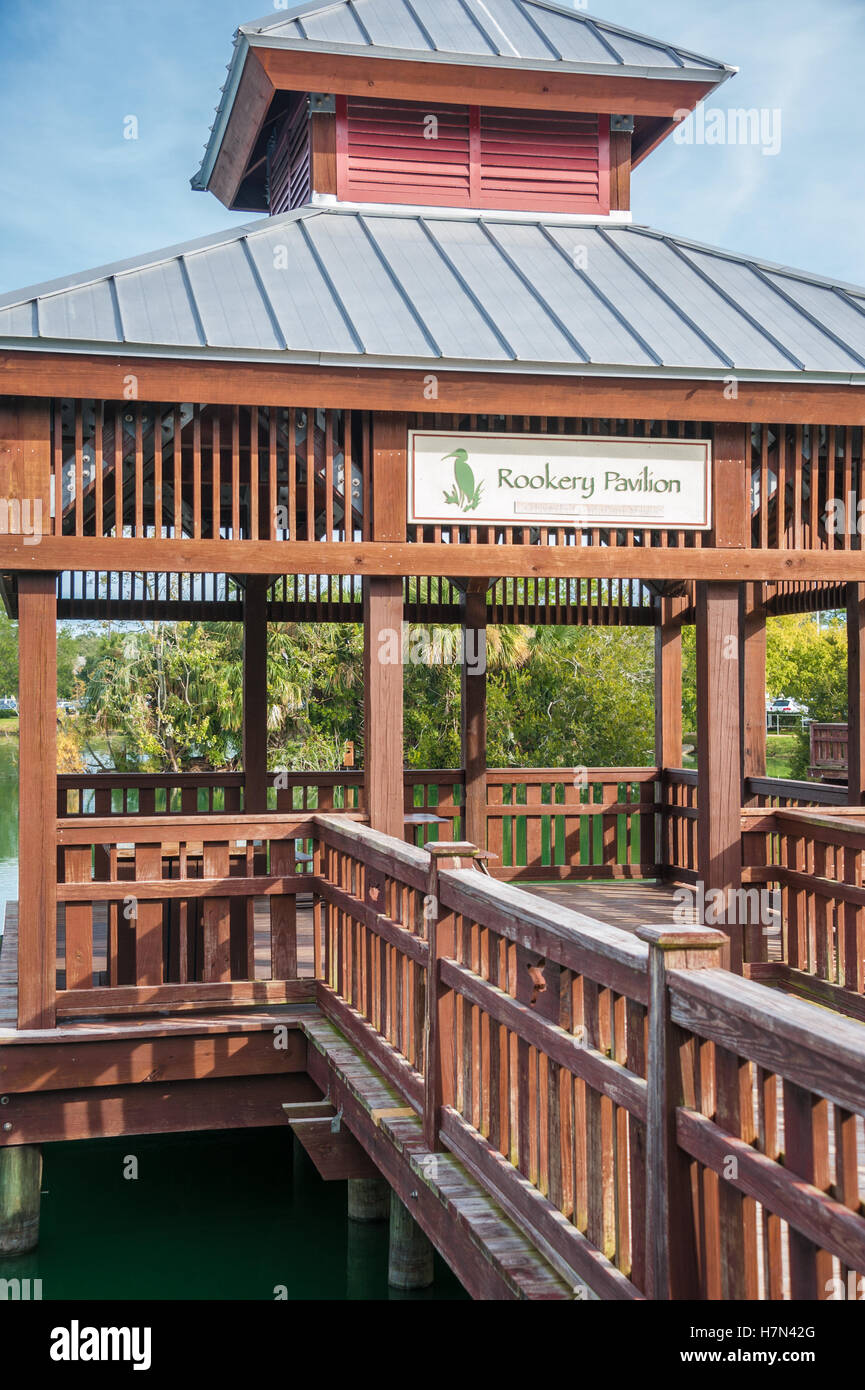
x,y
671,1237
439,1005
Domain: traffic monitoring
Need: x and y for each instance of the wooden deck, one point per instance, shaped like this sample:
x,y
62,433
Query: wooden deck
x,y
626,905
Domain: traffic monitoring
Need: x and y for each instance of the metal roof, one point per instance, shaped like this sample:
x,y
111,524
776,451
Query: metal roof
x,y
492,291
493,33
496,31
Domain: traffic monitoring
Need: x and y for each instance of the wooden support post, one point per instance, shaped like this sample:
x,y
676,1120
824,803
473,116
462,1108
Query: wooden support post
x,y
410,1255
383,704
668,715
474,712
855,694
368,1199
753,682
668,685
37,813
440,1013
719,784
255,694
20,1186
671,1236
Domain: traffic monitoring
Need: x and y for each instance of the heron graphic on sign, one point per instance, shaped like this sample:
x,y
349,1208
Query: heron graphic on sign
x,y
466,494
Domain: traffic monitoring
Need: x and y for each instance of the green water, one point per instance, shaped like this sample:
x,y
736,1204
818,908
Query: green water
x,y
237,1215
230,1215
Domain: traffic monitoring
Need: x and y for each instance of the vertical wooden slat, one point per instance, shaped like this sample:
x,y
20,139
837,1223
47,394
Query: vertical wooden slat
x,y
78,921
216,915
283,914
157,472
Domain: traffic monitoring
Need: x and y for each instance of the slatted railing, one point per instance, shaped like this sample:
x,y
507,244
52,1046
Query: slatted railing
x,y
572,823
814,859
664,1128
102,794
543,823
179,912
679,851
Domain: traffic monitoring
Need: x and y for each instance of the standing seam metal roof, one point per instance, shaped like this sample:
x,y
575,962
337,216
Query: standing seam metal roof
x,y
534,34
535,31
483,291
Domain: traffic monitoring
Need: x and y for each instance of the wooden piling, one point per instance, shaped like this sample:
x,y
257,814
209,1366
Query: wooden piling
x,y
410,1255
368,1199
20,1186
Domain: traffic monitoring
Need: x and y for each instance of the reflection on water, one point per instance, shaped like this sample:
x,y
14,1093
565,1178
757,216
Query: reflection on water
x,y
8,819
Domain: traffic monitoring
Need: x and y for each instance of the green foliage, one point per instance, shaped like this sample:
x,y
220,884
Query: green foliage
x,y
170,696
73,647
8,655
805,660
808,662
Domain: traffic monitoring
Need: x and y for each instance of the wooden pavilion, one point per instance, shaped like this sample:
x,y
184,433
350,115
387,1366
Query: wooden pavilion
x,y
263,426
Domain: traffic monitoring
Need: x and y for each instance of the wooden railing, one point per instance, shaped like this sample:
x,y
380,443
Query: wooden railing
x,y
179,912
101,794
679,824
597,1085
830,751
572,823
783,791
814,860
543,823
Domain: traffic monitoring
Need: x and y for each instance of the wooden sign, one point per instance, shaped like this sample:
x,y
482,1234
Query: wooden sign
x,y
559,480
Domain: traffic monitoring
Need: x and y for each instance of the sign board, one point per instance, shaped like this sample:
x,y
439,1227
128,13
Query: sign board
x,y
559,480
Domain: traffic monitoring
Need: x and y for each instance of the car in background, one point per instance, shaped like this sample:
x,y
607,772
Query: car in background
x,y
8,705
784,704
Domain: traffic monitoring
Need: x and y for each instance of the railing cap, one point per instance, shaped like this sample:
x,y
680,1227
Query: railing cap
x,y
683,938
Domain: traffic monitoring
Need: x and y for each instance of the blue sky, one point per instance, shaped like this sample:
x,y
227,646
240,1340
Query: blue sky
x,y
75,194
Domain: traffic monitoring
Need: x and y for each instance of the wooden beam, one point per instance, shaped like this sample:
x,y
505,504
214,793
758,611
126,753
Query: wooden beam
x,y
389,477
52,1066
473,723
25,464
856,694
39,373
322,151
516,87
335,1153
731,487
388,559
620,170
383,704
248,114
178,1107
255,695
37,781
62,553
719,785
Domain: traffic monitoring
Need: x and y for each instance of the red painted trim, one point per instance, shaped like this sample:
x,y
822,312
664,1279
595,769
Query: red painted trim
x,y
342,176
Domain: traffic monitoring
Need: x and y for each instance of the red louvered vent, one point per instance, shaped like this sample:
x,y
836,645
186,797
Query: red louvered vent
x,y
289,166
461,156
392,152
545,161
